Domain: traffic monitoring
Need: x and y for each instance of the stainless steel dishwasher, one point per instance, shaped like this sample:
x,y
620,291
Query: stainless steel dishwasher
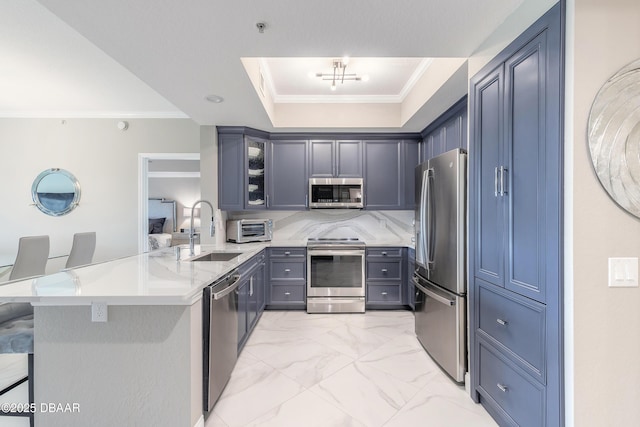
x,y
220,336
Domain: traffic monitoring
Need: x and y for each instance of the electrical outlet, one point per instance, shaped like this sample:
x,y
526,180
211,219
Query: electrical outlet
x,y
99,312
623,272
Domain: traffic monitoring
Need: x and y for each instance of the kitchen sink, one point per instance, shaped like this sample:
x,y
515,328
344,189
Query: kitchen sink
x,y
216,256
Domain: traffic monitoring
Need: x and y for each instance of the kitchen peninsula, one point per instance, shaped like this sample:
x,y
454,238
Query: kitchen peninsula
x,y
143,366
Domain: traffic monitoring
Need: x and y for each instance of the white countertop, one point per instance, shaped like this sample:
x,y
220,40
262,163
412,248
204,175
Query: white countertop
x,y
153,278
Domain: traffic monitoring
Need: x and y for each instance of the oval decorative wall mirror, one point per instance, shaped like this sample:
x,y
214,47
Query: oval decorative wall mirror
x,y
614,137
56,192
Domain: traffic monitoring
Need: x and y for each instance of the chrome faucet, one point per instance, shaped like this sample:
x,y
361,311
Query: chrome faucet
x,y
192,233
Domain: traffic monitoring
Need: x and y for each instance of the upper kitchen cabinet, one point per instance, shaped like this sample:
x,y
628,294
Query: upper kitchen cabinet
x,y
288,187
242,168
256,196
447,132
389,178
335,159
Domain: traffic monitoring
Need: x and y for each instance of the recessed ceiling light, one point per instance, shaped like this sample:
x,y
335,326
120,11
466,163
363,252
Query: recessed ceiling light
x,y
216,99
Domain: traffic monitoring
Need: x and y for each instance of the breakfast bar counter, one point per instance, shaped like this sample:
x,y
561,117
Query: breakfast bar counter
x,y
143,365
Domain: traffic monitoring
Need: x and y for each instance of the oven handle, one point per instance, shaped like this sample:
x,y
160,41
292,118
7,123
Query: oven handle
x,y
432,294
312,252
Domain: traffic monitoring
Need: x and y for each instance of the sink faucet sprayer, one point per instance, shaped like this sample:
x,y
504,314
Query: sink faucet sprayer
x,y
192,233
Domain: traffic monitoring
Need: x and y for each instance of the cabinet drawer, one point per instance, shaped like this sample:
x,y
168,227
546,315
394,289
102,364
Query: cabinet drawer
x,y
283,294
384,252
384,293
515,322
503,385
282,270
391,270
288,252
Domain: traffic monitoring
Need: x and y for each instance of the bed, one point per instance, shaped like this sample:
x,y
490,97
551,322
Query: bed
x,y
162,222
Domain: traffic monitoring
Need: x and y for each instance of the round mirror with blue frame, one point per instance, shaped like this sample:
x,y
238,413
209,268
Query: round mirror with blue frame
x,y
56,192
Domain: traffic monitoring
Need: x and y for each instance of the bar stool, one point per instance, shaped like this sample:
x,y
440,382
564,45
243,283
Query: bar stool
x,y
16,319
82,249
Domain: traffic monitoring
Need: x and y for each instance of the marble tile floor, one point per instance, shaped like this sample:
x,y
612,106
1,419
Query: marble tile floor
x,y
300,369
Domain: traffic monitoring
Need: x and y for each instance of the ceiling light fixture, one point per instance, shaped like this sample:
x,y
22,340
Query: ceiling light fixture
x,y
216,99
339,73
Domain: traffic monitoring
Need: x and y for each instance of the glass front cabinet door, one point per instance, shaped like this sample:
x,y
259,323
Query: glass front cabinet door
x,y
256,185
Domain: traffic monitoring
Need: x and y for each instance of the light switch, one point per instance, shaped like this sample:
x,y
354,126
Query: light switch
x,y
623,272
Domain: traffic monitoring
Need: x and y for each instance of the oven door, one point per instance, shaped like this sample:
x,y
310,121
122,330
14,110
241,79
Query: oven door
x,y
335,273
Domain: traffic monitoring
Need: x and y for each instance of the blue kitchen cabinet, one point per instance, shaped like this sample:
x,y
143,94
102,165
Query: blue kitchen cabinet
x,y
335,159
287,278
385,278
230,172
383,174
242,168
251,296
288,173
389,178
410,287
447,132
410,159
515,229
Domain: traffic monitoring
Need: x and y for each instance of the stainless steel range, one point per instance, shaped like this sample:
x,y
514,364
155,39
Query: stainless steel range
x,y
335,269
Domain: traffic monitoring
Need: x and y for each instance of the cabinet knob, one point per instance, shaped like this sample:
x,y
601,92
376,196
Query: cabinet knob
x,y
287,270
384,270
383,294
502,322
503,388
287,253
286,294
384,254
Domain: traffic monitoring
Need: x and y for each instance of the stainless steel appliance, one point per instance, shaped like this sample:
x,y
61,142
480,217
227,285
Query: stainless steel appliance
x,y
220,336
335,192
440,277
249,230
335,275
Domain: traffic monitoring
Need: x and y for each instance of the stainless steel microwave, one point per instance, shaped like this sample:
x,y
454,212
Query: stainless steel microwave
x,y
249,230
336,193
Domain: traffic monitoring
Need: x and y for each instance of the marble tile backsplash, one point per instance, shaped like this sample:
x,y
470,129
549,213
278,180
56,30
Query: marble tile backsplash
x,y
373,227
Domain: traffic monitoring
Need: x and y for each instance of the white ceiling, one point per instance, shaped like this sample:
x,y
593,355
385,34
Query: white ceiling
x,y
122,57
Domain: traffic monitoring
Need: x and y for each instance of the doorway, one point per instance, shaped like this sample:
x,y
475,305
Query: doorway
x,y
172,168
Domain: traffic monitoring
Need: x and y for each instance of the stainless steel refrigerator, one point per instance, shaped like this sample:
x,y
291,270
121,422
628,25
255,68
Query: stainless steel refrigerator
x,y
440,275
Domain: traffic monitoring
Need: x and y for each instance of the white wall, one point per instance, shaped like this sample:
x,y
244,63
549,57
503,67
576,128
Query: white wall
x,y
105,161
606,320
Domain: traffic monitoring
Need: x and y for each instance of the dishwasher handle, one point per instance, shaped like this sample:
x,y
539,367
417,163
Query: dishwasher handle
x,y
232,286
432,294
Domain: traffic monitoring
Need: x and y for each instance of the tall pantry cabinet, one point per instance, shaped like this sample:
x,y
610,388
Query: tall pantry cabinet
x,y
515,229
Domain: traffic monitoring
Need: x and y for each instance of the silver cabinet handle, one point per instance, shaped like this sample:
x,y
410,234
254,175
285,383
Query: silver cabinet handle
x,y
384,254
286,294
287,253
287,270
495,181
503,172
502,322
383,293
503,388
384,270
267,199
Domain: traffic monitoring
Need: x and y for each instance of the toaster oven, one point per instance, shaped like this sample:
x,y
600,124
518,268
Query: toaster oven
x,y
249,230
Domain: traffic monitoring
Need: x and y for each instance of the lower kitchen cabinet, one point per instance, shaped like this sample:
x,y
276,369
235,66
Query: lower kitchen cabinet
x,y
251,296
410,287
287,274
385,276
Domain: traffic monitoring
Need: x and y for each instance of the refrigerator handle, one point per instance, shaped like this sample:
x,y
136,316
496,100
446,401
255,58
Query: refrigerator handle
x,y
422,235
430,238
443,300
495,181
503,171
